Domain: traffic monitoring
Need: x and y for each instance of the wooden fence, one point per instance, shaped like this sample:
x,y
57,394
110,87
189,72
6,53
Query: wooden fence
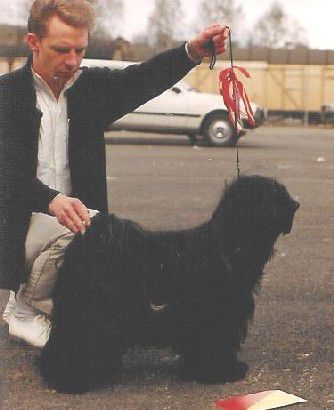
x,y
275,86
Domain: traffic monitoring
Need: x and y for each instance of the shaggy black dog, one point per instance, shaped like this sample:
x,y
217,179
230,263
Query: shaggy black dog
x,y
115,277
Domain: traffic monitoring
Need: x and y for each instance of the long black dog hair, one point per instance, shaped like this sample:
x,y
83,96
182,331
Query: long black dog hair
x,y
122,285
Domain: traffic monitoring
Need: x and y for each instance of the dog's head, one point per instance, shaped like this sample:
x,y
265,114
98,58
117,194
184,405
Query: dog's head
x,y
258,206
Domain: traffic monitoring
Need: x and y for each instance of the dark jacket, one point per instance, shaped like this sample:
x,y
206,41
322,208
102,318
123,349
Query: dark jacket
x,y
99,97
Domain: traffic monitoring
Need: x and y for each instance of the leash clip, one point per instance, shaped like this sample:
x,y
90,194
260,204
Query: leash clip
x,y
209,46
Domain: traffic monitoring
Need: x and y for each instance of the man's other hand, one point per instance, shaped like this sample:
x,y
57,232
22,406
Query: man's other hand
x,y
70,212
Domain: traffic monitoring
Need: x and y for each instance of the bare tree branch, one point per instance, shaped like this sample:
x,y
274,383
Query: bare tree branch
x,y
164,23
217,11
109,17
276,29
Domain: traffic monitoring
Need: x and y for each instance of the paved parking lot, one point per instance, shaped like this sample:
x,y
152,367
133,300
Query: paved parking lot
x,y
164,183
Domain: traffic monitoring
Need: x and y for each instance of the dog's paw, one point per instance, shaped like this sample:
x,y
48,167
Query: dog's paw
x,y
238,373
215,375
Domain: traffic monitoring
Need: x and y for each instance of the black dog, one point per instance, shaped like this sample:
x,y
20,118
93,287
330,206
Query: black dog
x,y
115,276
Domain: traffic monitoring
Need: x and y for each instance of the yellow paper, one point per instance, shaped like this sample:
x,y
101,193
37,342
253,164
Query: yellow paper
x,y
277,399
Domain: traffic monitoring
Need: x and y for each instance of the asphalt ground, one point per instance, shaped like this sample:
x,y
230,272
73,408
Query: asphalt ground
x,y
164,183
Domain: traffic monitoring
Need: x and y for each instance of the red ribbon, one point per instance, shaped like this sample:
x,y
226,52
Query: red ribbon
x,y
233,92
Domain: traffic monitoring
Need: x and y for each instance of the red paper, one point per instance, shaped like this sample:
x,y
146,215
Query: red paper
x,y
241,402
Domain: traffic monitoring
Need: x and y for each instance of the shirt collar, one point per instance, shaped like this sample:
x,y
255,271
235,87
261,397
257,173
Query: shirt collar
x,y
42,85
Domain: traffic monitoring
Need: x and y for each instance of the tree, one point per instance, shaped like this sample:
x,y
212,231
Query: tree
x,y
164,23
109,17
276,29
17,11
226,12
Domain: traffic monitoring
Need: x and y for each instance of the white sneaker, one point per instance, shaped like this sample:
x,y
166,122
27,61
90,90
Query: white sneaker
x,y
10,307
25,322
34,330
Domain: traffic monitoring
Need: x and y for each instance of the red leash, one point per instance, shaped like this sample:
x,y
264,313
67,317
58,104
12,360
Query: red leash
x,y
233,93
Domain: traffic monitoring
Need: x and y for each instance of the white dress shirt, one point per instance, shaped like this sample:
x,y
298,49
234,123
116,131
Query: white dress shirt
x,y
53,165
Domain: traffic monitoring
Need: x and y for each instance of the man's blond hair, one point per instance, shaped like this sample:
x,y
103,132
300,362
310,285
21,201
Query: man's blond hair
x,y
77,13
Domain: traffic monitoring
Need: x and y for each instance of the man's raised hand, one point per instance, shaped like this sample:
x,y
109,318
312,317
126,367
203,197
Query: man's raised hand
x,y
198,46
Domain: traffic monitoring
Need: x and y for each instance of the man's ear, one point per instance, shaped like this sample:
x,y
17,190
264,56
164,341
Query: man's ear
x,y
32,41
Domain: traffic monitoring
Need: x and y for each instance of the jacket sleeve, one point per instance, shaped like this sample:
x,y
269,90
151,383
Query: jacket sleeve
x,y
40,196
114,93
19,187
28,192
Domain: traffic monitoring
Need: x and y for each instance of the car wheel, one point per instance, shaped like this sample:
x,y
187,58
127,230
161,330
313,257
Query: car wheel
x,y
192,139
217,130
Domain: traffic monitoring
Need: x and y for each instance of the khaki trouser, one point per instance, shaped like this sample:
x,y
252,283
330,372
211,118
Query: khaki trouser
x,y
44,251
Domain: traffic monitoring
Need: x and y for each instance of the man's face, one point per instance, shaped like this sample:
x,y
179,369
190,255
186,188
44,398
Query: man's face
x,y
58,55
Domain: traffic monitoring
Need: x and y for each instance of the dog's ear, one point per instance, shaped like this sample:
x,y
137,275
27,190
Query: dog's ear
x,y
289,216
